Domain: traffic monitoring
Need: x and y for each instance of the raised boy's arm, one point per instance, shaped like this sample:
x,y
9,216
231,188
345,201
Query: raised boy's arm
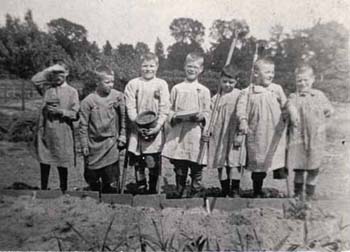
x,y
39,80
84,124
164,105
130,101
72,113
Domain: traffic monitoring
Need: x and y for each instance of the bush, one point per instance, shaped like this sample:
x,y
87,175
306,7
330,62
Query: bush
x,y
22,127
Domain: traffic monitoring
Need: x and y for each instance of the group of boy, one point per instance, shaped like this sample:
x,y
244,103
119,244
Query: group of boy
x,y
253,127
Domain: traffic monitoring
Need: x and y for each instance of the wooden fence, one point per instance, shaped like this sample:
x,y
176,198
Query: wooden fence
x,y
18,91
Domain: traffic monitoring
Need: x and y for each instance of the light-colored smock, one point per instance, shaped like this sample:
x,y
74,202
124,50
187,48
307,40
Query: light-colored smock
x,y
266,138
183,139
306,146
55,141
222,151
146,95
102,121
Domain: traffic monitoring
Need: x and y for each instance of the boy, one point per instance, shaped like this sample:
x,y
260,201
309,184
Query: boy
x,y
223,151
142,95
102,131
55,142
259,110
184,137
307,139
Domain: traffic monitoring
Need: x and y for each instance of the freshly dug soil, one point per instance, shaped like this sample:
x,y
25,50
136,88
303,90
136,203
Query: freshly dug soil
x,y
70,223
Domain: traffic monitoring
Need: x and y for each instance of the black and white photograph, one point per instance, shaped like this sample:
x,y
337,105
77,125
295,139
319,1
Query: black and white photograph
x,y
174,125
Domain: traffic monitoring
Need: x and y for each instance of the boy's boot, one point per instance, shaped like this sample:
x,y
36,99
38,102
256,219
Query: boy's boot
x,y
44,175
180,185
258,180
310,192
225,187
95,186
298,190
107,188
196,186
63,175
153,180
234,192
257,188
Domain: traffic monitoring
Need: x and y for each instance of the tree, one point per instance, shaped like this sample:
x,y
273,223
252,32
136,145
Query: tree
x,y
126,63
107,49
159,51
177,54
24,49
187,30
329,42
141,48
222,32
71,36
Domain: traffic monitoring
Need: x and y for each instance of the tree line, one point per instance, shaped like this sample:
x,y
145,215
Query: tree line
x,y
25,49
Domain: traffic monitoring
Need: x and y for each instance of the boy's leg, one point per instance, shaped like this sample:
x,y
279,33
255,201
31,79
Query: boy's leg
x,y
311,180
235,177
44,175
298,183
140,176
181,170
108,176
63,175
153,164
225,183
92,178
196,176
258,180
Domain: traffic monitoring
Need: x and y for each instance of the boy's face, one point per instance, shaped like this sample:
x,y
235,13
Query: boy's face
x,y
265,74
58,78
192,70
304,81
149,69
106,83
227,84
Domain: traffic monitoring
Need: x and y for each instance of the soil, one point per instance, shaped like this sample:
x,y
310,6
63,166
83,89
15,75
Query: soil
x,y
70,223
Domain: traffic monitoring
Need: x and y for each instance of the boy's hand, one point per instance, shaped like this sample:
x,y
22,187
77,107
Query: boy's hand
x,y
54,110
121,142
197,118
243,126
205,138
152,131
238,140
86,151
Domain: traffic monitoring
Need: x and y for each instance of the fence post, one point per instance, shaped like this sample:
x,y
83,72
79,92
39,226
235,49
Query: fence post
x,y
23,95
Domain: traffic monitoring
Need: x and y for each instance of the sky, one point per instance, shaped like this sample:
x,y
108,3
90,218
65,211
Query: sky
x,y
130,21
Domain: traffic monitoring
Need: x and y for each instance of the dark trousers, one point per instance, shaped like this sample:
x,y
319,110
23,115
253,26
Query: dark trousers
x,y
45,173
108,175
181,168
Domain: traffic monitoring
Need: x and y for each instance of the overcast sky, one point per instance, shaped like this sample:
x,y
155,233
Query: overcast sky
x,y
130,21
